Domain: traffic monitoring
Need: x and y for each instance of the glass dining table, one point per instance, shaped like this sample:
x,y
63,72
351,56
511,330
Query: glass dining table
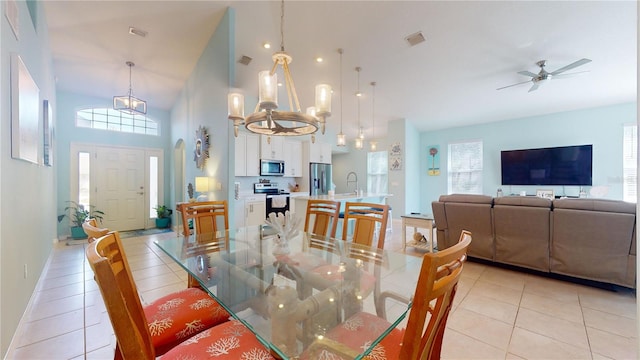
x,y
290,297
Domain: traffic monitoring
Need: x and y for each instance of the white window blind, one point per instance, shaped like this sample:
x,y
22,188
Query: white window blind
x,y
630,163
465,168
377,172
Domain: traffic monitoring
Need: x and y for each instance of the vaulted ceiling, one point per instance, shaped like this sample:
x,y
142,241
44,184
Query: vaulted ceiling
x,y
471,49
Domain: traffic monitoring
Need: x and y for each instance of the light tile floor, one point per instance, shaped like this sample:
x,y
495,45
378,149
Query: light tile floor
x,y
497,314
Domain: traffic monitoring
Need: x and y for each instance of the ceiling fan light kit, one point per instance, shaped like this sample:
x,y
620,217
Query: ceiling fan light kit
x,y
266,118
543,76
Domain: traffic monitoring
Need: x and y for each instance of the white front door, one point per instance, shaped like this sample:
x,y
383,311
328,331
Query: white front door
x,y
120,187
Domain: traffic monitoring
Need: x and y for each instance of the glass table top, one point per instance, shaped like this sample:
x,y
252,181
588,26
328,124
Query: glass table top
x,y
290,297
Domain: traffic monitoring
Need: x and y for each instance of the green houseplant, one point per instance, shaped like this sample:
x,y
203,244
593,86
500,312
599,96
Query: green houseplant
x,y
78,213
163,218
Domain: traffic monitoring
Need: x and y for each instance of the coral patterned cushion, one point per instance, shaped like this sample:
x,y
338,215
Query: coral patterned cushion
x,y
231,340
180,315
359,331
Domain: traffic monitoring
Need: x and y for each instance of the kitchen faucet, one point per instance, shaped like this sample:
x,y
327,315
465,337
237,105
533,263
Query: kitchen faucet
x,y
351,181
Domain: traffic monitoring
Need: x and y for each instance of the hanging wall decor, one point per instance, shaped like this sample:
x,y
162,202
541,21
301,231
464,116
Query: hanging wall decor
x,y
201,152
25,112
433,160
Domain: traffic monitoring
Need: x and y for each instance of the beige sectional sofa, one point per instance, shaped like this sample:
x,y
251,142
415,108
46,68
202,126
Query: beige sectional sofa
x,y
590,239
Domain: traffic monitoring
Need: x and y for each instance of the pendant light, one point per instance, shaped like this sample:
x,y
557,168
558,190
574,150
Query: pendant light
x,y
341,139
359,144
128,103
373,144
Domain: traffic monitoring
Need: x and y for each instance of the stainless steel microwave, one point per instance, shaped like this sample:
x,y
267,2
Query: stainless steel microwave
x,y
271,168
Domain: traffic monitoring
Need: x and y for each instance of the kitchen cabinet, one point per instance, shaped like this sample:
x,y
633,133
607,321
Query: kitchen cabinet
x,y
292,158
256,210
319,152
271,148
250,210
247,158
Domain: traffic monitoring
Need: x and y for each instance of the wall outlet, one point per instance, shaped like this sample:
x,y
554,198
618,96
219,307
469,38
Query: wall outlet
x,y
26,273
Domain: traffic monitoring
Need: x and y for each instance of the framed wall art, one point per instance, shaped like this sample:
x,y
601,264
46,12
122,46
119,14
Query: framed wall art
x,y
47,127
543,193
25,110
433,160
395,163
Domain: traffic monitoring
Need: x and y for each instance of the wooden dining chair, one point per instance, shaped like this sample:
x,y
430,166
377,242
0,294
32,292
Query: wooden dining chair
x,y
204,216
370,219
90,227
144,332
323,214
422,339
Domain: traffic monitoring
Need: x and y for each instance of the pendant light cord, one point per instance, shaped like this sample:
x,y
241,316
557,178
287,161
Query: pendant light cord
x,y
340,51
359,95
373,107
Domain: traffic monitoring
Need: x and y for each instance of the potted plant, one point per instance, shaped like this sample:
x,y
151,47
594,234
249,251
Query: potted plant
x,y
163,219
78,213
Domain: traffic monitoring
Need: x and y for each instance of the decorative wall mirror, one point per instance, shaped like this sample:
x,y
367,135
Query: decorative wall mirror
x,y
201,152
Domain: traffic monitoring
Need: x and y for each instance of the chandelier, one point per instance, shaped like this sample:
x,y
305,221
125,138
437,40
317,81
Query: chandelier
x,y
128,103
266,118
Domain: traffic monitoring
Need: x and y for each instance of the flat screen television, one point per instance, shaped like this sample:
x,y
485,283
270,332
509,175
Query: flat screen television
x,y
566,165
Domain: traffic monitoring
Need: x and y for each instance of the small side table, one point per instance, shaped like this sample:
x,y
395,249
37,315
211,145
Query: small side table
x,y
421,221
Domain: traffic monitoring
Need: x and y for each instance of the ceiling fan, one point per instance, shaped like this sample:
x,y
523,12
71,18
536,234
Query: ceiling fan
x,y
544,76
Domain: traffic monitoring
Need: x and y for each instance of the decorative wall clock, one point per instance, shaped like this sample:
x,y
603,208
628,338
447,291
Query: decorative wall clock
x,y
201,152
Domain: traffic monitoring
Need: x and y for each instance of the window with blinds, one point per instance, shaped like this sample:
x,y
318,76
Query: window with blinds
x,y
630,163
465,168
377,172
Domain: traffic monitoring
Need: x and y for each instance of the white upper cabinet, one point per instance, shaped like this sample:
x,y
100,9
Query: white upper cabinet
x,y
292,158
247,155
319,152
271,149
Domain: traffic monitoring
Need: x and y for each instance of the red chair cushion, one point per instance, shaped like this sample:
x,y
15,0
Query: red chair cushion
x,y
180,315
231,340
359,331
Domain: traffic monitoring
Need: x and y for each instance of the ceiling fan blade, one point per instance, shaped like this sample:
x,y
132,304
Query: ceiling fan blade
x,y
534,87
508,86
564,76
571,66
527,73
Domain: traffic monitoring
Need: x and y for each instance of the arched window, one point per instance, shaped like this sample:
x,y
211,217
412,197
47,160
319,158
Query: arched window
x,y
115,120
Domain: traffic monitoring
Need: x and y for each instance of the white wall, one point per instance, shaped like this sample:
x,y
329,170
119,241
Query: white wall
x,y
28,207
601,126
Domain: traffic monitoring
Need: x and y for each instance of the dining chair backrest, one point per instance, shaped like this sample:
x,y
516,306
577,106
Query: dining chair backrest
x,y
323,214
205,216
90,227
113,275
369,219
432,301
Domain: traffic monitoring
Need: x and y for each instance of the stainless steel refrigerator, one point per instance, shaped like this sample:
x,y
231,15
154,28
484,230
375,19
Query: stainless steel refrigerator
x,y
319,179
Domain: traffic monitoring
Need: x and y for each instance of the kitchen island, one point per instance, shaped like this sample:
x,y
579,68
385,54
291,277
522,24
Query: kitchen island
x,y
299,201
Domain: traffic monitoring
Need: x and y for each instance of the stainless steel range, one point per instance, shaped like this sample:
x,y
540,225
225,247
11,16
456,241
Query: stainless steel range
x,y
277,200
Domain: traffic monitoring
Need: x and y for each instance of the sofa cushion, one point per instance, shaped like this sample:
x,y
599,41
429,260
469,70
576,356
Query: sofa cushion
x,y
467,198
595,205
534,201
522,228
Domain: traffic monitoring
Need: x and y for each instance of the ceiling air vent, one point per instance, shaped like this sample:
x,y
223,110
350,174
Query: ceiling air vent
x,y
415,39
135,31
245,60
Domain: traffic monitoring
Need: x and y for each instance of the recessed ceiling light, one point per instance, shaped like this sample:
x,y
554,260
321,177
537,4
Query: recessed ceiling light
x,y
319,59
279,84
266,45
358,93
